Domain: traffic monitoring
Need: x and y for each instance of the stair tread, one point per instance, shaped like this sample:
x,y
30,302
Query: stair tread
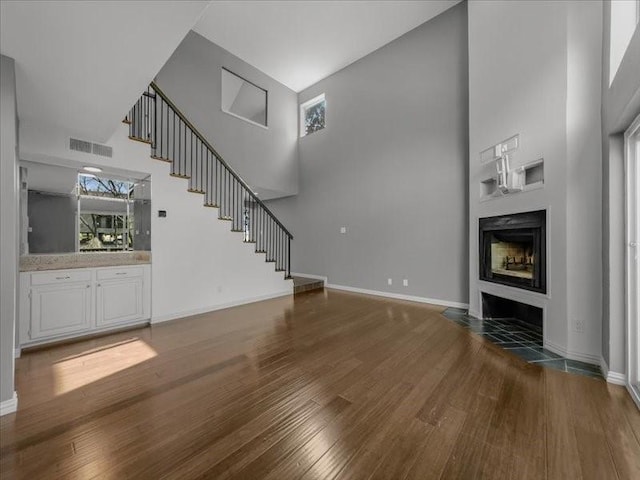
x,y
138,129
306,284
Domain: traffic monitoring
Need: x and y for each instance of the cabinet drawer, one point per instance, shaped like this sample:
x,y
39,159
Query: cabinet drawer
x,y
116,273
60,276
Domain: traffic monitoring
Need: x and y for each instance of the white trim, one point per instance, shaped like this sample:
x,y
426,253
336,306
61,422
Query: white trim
x,y
632,275
308,275
572,355
213,308
615,378
9,406
86,334
475,314
244,119
17,352
399,296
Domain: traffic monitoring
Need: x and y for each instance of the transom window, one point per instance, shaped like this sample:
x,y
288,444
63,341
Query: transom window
x,y
313,115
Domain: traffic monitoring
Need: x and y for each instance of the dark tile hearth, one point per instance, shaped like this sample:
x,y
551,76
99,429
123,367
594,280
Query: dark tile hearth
x,y
521,339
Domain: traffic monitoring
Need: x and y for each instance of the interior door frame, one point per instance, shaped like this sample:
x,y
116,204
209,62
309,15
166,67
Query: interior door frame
x,y
632,267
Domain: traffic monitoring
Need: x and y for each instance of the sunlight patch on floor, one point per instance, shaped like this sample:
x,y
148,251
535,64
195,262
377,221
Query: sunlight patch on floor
x,y
79,370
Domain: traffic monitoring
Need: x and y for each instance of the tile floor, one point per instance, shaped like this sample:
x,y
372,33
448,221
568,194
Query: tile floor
x,y
520,339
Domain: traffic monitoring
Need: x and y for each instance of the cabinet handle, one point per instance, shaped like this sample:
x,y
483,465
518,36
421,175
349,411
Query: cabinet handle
x,y
99,285
89,286
63,278
121,273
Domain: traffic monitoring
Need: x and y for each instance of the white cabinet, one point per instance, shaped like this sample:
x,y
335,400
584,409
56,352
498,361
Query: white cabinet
x,y
60,309
60,304
119,296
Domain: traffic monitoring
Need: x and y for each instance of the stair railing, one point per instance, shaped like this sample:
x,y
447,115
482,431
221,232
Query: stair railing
x,y
155,120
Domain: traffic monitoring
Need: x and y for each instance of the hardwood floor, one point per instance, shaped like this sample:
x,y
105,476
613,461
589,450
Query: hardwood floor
x,y
326,385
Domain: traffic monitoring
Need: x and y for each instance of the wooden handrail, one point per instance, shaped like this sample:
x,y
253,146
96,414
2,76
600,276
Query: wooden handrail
x,y
204,141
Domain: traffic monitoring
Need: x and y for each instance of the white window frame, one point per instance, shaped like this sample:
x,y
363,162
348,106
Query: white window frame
x,y
632,267
308,104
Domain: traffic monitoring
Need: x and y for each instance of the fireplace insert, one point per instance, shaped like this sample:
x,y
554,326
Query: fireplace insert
x,y
513,250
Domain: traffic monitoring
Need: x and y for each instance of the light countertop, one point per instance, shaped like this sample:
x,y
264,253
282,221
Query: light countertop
x,y
63,261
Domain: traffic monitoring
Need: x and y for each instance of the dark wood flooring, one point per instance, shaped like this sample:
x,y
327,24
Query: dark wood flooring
x,y
326,385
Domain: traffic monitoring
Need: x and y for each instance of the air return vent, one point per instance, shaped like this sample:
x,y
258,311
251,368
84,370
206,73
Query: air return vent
x,y
102,150
79,145
88,147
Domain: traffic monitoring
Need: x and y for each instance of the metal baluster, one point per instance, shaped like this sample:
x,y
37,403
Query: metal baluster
x,y
289,257
161,127
186,167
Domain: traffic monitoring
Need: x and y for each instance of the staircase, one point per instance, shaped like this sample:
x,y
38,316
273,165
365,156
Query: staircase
x,y
155,120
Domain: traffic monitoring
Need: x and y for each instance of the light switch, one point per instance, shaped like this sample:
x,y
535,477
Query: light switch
x,y
389,281
405,282
343,229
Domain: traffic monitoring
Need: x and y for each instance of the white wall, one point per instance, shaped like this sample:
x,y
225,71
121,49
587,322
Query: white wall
x,y
584,169
267,159
198,264
537,73
8,225
620,105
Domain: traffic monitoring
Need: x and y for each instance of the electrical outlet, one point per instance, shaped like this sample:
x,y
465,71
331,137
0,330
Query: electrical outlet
x,y
389,281
579,325
405,282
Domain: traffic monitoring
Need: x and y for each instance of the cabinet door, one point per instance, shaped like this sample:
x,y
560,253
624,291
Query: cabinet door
x,y
60,309
119,301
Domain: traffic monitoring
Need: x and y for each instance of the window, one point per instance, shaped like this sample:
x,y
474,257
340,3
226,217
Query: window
x,y
106,220
624,20
243,99
313,115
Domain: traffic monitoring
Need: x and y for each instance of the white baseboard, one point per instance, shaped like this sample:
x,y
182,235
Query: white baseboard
x,y
17,352
571,355
475,314
399,296
308,275
9,406
212,308
87,334
612,377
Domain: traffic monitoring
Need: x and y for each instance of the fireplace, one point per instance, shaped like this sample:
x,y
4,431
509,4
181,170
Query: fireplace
x,y
513,250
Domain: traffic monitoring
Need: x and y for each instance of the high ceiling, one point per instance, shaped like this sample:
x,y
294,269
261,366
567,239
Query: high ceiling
x,y
80,65
301,42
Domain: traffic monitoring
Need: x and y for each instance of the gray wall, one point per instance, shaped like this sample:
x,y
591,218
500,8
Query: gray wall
x,y
8,224
391,167
620,105
266,158
52,219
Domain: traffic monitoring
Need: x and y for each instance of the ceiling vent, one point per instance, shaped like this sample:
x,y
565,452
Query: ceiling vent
x,y
79,145
88,147
102,150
